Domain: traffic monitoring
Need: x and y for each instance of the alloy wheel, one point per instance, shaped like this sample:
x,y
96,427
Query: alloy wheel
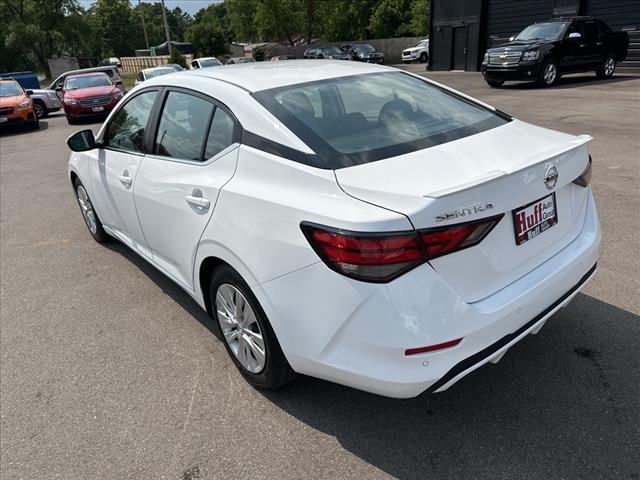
x,y
87,209
240,328
609,66
550,73
38,109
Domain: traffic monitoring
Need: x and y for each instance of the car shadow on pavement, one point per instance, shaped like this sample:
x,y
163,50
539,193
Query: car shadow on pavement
x,y
562,404
14,130
571,81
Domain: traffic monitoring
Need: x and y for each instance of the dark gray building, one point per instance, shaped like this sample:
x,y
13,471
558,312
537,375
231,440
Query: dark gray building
x,y
461,30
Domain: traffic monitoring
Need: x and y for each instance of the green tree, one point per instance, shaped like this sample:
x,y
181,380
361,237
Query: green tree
x,y
117,31
420,17
177,57
391,18
342,20
242,21
207,38
34,31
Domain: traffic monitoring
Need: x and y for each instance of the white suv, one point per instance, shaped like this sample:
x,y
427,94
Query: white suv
x,y
343,220
420,52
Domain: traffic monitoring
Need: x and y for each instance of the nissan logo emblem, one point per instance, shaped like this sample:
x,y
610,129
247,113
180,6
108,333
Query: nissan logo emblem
x,y
551,177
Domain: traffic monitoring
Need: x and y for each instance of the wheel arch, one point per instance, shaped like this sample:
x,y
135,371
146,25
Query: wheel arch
x,y
210,256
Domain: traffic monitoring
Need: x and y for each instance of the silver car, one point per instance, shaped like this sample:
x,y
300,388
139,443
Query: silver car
x,y
45,101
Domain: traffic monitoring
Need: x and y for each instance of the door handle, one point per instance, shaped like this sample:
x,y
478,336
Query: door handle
x,y
125,179
197,200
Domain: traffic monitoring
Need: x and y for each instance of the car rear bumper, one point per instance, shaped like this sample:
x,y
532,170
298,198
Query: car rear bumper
x,y
356,333
522,71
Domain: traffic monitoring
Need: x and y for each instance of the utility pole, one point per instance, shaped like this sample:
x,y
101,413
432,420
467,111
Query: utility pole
x,y
144,29
166,26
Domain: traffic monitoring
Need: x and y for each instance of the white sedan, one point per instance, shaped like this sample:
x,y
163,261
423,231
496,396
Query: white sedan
x,y
342,220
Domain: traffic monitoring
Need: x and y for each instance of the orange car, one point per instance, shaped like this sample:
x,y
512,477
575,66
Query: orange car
x,y
16,108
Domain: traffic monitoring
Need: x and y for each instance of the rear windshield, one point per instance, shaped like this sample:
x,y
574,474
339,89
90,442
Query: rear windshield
x,y
363,118
87,81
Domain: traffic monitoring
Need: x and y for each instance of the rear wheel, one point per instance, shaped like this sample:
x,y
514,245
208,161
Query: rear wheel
x,y
248,336
549,73
423,57
89,214
608,67
495,83
40,109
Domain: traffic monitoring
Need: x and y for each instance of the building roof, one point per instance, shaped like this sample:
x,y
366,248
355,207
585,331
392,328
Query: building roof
x,y
265,75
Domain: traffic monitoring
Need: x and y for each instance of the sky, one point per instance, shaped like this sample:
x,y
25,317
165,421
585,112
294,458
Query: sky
x,y
189,6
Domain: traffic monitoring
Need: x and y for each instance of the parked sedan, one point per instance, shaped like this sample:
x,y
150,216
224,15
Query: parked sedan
x,y
237,60
333,53
89,96
355,223
205,62
147,73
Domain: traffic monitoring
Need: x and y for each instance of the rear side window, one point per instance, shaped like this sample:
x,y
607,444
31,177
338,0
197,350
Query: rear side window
x,y
183,126
220,134
127,128
363,118
590,31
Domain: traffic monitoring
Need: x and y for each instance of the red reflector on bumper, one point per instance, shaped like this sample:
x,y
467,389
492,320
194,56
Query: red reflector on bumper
x,y
431,348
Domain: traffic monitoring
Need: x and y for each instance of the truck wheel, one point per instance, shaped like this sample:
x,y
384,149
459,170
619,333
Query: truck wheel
x,y
40,108
495,83
423,57
548,73
608,67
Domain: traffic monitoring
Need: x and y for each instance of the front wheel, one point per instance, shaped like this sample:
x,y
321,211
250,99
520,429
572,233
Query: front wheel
x,y
89,214
248,336
423,57
495,83
608,67
549,73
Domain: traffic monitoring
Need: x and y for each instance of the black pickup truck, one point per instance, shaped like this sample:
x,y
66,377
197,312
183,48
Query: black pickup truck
x,y
544,51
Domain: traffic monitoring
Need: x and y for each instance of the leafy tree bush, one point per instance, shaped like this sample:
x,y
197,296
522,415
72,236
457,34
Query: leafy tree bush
x,y
177,57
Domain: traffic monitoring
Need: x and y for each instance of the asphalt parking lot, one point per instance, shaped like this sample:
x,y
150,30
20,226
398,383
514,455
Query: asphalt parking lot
x,y
109,371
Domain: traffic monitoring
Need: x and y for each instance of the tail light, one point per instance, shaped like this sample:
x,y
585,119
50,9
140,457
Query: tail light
x,y
585,177
443,240
381,257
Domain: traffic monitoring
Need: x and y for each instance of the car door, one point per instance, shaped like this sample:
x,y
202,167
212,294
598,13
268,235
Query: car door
x,y
194,155
114,173
576,54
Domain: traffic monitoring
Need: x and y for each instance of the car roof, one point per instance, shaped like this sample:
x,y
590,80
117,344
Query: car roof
x,y
256,76
160,67
89,74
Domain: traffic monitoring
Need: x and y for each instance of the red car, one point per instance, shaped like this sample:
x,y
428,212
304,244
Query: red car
x,y
89,95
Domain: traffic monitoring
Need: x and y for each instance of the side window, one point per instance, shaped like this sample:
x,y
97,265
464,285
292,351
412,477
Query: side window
x,y
575,27
183,124
604,29
139,76
590,31
127,127
220,133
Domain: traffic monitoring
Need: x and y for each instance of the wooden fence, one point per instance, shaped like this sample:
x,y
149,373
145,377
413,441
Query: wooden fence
x,y
135,64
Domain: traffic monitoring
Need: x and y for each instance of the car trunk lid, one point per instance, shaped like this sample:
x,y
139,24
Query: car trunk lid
x,y
503,167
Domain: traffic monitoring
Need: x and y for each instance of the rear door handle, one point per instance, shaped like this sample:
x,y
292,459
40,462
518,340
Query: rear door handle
x,y
197,199
125,179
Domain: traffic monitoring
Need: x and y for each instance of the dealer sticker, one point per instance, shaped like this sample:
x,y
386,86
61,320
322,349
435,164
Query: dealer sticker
x,y
533,219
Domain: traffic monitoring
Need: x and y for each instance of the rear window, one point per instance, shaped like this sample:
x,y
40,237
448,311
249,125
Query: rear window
x,y
363,118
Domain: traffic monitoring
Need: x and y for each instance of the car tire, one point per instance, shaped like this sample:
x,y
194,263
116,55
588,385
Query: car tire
x,y
71,121
40,109
423,57
608,67
549,73
495,83
89,214
261,362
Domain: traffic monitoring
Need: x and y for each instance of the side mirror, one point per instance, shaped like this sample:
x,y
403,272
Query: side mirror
x,y
512,38
575,35
82,141
28,92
